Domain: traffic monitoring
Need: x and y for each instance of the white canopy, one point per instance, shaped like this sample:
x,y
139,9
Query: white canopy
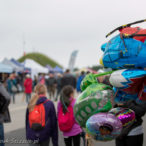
x,y
35,67
5,68
14,66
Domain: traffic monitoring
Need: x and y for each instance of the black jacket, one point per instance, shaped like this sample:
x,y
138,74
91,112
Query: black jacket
x,y
139,109
51,82
68,79
4,103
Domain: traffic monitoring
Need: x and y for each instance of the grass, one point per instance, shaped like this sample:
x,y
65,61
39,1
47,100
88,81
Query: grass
x,y
40,58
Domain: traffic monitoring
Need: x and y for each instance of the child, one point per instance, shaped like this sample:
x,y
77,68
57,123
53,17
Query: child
x,y
133,135
105,129
40,133
66,100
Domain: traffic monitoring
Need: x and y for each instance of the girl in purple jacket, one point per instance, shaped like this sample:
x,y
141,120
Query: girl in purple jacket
x,y
66,99
42,137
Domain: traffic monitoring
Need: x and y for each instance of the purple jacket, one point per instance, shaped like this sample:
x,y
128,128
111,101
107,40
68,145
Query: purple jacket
x,y
51,129
76,129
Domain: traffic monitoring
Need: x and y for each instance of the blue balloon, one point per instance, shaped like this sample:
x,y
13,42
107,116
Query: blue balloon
x,y
123,96
124,53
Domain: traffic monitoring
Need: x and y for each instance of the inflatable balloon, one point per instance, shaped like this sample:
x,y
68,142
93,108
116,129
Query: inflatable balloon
x,y
122,97
88,80
121,52
131,32
104,126
96,98
128,80
130,84
134,30
91,79
126,116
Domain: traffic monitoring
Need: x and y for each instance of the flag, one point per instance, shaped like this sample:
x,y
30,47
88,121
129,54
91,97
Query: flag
x,y
72,60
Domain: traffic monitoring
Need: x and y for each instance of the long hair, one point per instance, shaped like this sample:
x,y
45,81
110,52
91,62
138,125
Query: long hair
x,y
39,89
65,97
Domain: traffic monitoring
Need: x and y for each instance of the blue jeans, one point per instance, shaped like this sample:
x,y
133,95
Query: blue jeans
x,y
1,135
12,94
28,96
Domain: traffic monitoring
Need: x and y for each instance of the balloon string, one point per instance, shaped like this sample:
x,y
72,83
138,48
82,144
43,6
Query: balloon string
x,y
88,140
102,74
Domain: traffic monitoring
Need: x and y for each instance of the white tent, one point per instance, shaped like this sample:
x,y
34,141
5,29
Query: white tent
x,y
14,66
5,68
35,67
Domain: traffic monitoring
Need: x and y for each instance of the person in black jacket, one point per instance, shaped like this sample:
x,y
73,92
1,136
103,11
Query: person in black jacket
x,y
59,77
68,79
133,135
51,85
4,112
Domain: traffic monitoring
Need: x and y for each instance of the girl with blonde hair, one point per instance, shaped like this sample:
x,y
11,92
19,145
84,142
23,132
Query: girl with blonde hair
x,y
40,132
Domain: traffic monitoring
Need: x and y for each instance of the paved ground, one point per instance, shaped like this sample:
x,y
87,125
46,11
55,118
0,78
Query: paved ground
x,y
15,131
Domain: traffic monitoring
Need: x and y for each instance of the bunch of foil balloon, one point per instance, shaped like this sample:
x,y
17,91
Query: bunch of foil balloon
x,y
125,54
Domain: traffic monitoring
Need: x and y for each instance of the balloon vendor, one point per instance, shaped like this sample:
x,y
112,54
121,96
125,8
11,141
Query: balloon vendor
x,y
125,54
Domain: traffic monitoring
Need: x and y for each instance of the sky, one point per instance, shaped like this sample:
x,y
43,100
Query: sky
x,y
57,27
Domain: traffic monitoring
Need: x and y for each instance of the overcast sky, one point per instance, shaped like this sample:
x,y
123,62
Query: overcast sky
x,y
57,27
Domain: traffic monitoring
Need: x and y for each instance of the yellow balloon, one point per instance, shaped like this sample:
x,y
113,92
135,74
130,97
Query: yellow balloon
x,y
101,61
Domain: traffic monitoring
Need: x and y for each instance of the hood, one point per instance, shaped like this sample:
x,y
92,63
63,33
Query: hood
x,y
41,99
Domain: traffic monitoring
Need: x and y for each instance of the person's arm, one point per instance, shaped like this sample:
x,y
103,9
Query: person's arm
x,y
78,84
62,82
54,126
74,82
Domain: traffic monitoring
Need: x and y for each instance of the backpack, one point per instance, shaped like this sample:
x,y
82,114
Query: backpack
x,y
66,120
4,99
37,117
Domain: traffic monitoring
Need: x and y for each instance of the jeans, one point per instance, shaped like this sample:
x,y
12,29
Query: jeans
x,y
1,135
58,94
28,96
44,143
12,94
52,90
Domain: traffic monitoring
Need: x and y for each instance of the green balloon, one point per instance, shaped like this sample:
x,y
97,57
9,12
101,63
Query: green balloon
x,y
88,80
96,98
92,78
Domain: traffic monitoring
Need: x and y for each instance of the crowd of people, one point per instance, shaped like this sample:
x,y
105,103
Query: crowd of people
x,y
54,82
